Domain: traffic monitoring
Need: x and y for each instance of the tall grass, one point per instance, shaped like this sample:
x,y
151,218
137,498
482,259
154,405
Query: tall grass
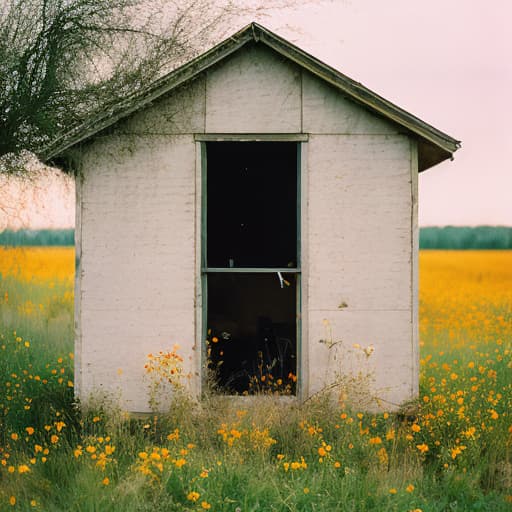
x,y
267,454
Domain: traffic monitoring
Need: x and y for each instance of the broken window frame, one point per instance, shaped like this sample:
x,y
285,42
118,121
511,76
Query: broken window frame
x,y
204,270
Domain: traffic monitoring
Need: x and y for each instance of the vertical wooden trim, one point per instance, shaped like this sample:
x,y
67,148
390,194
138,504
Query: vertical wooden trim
x,y
298,284
298,207
203,203
204,277
414,270
199,302
303,347
301,100
78,285
205,99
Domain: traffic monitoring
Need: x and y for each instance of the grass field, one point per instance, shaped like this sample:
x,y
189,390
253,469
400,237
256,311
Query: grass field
x,y
455,455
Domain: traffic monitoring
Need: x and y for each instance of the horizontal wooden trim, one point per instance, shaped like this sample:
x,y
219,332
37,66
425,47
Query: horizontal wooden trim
x,y
251,137
249,270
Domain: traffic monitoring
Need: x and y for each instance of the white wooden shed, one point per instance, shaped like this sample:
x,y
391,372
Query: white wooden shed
x,y
259,197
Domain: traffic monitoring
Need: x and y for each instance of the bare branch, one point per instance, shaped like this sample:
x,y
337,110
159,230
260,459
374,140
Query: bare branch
x,y
64,60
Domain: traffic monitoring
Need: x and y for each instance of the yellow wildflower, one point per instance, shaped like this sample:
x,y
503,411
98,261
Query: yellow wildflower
x,y
422,447
193,496
174,436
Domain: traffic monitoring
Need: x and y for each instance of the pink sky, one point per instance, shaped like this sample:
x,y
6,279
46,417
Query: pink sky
x,y
449,62
446,61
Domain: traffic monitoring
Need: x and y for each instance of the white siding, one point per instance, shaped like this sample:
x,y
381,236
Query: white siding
x,y
182,111
359,223
138,258
255,91
325,110
140,231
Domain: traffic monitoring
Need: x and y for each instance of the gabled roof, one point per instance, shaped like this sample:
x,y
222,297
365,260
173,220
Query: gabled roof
x,y
434,146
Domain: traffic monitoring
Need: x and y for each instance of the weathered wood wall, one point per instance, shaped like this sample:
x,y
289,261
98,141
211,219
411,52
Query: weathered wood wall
x,y
139,200
137,289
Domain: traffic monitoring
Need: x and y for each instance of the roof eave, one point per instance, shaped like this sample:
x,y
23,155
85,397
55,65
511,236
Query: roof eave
x,y
430,155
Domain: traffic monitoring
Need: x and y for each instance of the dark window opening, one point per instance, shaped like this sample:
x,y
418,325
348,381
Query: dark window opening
x,y
251,209
252,204
252,344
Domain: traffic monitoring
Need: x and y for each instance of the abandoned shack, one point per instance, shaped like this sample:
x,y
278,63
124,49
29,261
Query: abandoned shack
x,y
258,208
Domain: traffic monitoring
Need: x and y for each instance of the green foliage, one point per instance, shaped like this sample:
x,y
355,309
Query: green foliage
x,y
44,56
36,360
452,237
40,237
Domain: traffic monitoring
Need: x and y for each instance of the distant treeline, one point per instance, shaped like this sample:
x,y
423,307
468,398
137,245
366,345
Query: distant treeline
x,y
31,237
480,237
449,237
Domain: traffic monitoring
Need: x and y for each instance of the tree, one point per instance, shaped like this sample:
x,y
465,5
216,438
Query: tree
x,y
64,60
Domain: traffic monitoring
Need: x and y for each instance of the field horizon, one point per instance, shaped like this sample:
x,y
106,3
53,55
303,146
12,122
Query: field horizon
x,y
430,237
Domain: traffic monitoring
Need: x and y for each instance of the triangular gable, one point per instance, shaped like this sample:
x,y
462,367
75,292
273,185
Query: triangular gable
x,y
434,146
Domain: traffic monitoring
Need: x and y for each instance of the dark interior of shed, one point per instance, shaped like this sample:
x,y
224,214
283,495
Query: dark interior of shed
x,y
251,228
251,204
